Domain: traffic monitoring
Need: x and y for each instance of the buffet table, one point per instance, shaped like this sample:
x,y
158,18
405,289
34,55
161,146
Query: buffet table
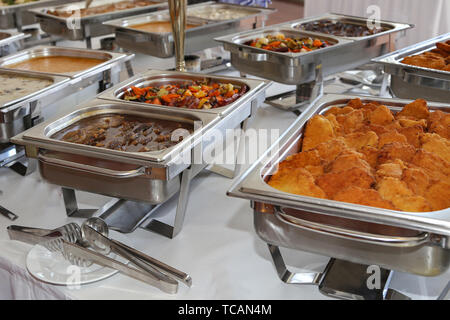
x,y
217,246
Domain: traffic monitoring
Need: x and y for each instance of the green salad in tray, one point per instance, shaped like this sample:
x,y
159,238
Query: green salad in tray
x,y
13,2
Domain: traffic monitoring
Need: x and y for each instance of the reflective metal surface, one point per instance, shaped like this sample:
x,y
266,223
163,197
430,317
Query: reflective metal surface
x,y
290,68
85,27
11,42
16,16
411,82
197,38
416,242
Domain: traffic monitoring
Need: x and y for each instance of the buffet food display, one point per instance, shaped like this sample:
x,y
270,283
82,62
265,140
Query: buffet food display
x,y
100,9
191,95
151,33
280,43
14,13
57,20
300,67
420,70
143,150
125,133
339,28
412,168
437,58
14,86
364,153
36,81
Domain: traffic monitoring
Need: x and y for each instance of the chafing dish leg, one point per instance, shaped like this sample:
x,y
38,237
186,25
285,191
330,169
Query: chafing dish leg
x,y
289,277
384,90
304,95
129,67
228,173
11,157
70,202
445,294
166,229
342,279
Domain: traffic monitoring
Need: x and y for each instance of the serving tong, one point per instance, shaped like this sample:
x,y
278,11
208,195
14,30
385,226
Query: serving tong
x,y
72,241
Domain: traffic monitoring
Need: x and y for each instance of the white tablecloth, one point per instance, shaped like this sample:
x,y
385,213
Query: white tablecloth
x,y
430,17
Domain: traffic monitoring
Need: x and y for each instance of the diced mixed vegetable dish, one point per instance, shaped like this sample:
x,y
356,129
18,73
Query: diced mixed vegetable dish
x,y
192,95
281,43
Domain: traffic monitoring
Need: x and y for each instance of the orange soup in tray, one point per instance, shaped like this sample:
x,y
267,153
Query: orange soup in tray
x,y
158,26
56,64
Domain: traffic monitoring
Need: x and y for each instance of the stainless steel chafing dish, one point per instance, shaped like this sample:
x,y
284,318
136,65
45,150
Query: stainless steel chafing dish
x,y
80,28
411,242
197,38
16,116
10,42
143,180
16,16
284,67
297,68
19,114
111,59
412,82
157,77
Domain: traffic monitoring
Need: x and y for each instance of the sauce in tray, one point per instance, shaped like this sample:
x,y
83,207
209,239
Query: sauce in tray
x,y
14,87
158,26
101,9
56,64
125,133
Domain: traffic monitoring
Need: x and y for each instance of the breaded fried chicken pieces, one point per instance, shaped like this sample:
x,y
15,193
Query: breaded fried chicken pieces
x,y
434,59
365,154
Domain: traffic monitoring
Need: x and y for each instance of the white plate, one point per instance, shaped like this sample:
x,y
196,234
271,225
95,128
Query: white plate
x,y
51,267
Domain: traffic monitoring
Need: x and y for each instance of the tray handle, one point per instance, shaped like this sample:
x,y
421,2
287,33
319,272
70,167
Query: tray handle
x,y
92,169
351,234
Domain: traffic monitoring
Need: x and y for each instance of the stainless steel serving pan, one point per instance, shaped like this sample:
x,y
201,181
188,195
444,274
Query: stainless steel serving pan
x,y
289,67
79,28
16,16
300,68
387,26
406,241
197,38
111,172
158,77
11,41
110,58
13,114
413,82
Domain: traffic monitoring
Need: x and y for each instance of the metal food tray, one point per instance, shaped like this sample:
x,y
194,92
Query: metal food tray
x,y
387,26
12,113
156,77
197,38
16,16
417,242
160,165
110,58
413,82
85,27
11,41
299,68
